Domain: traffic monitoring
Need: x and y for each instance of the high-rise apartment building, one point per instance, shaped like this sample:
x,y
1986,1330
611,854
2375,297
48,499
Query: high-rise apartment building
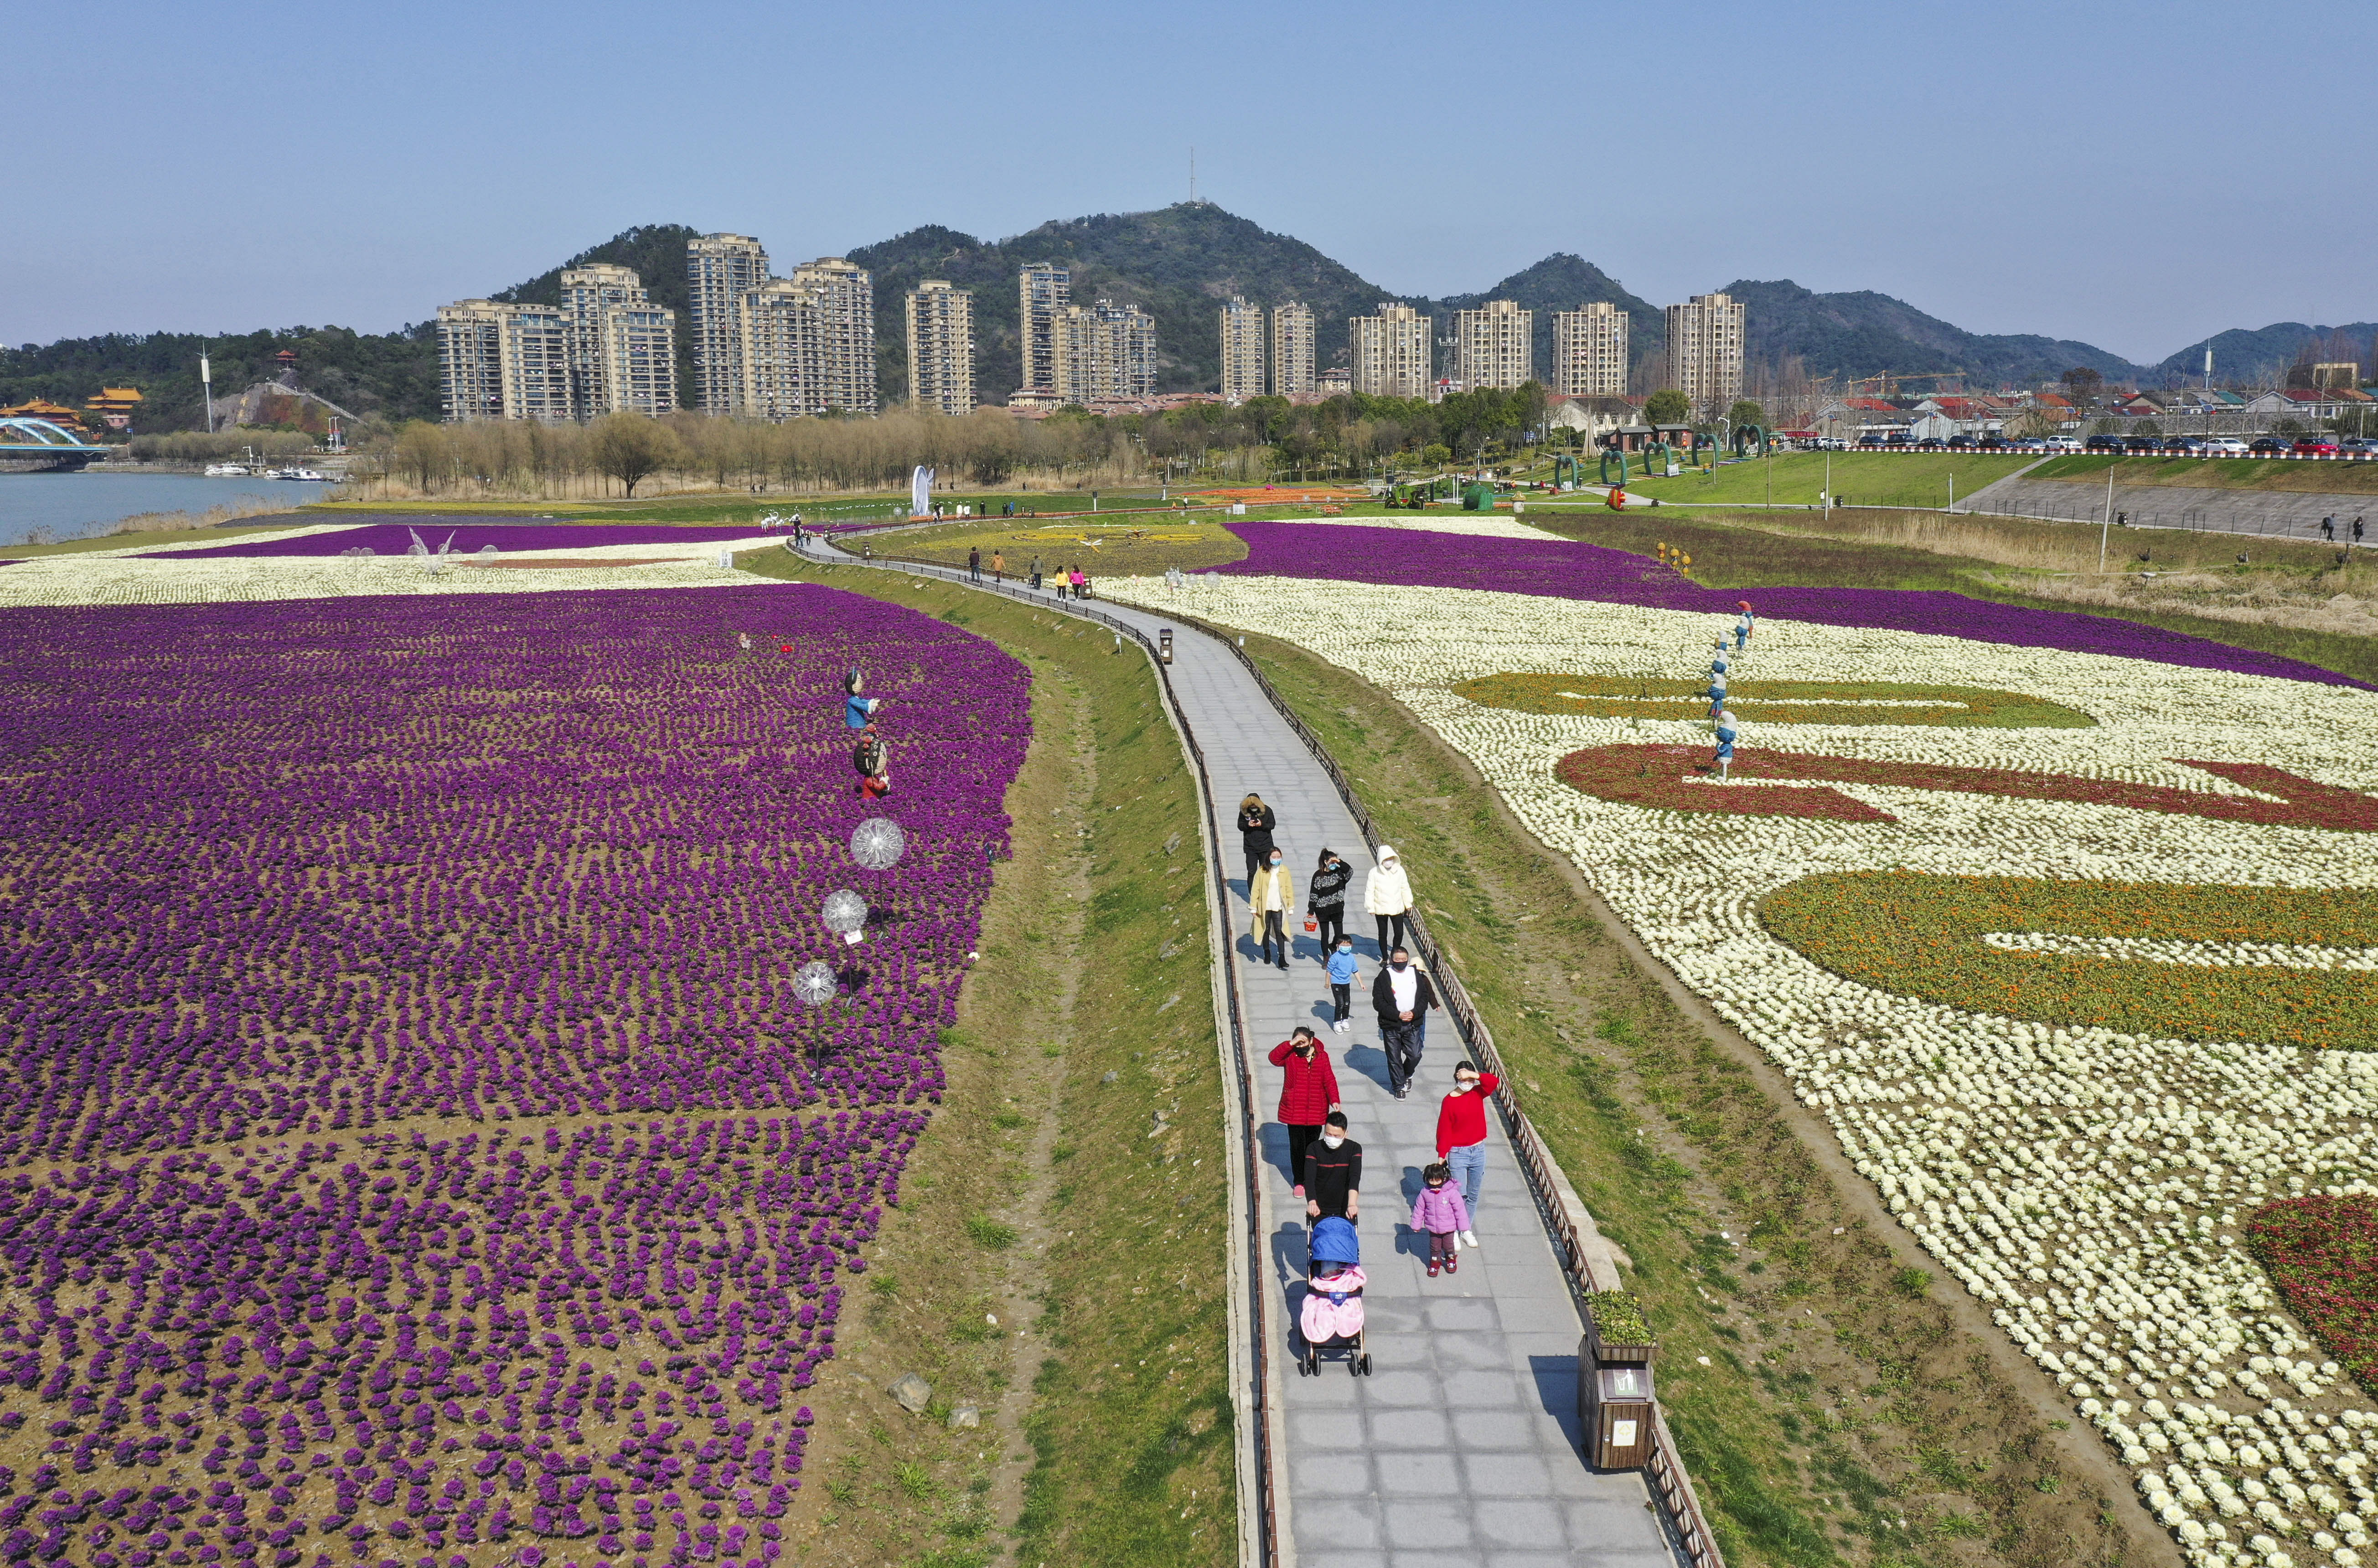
x,y
1292,349
1494,345
941,347
622,347
1243,356
720,270
1590,352
504,362
1044,291
1705,342
780,351
1103,350
846,295
1392,351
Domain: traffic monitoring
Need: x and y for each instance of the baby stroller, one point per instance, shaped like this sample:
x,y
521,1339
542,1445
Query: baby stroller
x,y
1332,1318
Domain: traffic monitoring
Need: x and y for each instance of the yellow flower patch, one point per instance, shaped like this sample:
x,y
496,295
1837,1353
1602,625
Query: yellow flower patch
x,y
2192,961
1773,702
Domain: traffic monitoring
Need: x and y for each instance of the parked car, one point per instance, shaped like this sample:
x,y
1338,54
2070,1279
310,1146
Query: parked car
x,y
1930,444
2103,444
2060,444
1990,444
2315,446
1960,443
1869,440
2271,446
2184,446
2143,445
2226,447
2355,447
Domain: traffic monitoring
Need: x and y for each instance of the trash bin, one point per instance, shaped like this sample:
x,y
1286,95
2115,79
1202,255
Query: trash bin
x,y
1614,1397
1164,644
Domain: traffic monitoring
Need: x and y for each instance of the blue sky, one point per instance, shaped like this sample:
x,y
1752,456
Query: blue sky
x,y
2135,176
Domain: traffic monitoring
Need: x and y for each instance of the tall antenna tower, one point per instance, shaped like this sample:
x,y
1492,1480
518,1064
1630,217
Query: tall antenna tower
x,y
1192,177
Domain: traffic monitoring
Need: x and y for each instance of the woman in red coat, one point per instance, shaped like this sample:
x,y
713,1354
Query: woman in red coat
x,y
1308,1091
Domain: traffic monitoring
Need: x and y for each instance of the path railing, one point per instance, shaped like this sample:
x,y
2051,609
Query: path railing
x,y
1268,1445
1563,1212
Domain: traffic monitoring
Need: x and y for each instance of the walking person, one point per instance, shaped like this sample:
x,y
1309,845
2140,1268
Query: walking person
x,y
1440,1214
1343,966
2328,530
1255,825
1387,897
2357,533
1035,571
858,711
1401,996
998,567
1081,584
1271,897
1461,1135
1324,898
1332,1181
1308,1093
974,565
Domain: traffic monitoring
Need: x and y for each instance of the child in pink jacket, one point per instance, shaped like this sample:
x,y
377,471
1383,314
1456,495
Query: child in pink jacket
x,y
1438,1210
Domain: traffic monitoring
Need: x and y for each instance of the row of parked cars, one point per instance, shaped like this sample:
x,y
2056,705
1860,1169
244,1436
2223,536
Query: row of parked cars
x,y
2315,446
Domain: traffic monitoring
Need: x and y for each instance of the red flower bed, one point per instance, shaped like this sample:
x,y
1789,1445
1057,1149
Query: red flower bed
x,y
2323,1254
1672,776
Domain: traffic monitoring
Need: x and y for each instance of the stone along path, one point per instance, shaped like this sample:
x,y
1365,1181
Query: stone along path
x,y
1462,1447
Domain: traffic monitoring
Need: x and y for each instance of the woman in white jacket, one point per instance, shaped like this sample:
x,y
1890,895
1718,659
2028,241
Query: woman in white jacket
x,y
1387,897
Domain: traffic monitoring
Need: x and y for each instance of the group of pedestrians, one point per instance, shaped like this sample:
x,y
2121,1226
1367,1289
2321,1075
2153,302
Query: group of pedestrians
x,y
1325,1162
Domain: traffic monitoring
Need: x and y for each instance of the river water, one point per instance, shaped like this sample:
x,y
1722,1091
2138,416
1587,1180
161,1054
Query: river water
x,y
79,506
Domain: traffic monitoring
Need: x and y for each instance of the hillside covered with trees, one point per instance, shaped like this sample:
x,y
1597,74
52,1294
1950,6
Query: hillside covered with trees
x,y
1178,263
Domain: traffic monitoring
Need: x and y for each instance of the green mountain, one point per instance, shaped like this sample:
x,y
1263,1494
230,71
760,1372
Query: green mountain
x,y
1179,264
2265,353
1865,333
1563,281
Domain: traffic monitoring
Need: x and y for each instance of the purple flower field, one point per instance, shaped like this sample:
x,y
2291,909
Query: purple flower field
x,y
1561,570
395,538
414,1143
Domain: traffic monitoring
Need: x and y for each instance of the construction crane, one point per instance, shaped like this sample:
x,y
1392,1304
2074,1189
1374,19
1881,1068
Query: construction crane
x,y
1887,384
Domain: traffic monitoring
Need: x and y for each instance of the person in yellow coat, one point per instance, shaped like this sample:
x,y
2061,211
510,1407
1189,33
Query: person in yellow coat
x,y
1272,899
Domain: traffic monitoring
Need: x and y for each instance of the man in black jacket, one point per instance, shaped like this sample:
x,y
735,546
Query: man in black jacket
x,y
1333,1172
1403,995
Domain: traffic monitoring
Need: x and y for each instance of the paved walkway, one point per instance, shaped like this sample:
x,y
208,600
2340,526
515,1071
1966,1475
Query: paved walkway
x,y
2279,514
1462,1447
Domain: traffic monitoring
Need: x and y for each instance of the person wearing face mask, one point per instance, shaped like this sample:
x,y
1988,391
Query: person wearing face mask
x,y
1401,996
1387,896
1461,1135
1333,1172
1343,966
1308,1093
1270,896
1438,1213
1324,898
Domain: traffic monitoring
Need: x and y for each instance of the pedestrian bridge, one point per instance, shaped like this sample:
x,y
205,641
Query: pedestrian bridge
x,y
39,446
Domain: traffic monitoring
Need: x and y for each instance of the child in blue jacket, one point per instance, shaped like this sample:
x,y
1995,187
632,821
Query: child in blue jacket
x,y
1342,965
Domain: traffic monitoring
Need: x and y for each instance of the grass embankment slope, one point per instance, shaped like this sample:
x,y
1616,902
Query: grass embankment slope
x,y
1037,1197
2217,473
1867,479
2281,603
1850,1411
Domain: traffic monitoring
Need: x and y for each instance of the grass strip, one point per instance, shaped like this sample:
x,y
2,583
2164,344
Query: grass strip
x,y
1072,1184
1832,1406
